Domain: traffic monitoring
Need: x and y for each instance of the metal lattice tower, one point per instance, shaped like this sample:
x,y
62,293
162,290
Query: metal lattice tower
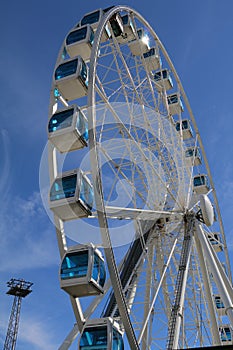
x,y
19,289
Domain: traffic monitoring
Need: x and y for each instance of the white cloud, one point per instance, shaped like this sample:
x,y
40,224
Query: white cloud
x,y
37,334
27,236
33,334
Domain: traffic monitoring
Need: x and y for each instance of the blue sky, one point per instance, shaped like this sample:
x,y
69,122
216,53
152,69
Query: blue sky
x,y
198,38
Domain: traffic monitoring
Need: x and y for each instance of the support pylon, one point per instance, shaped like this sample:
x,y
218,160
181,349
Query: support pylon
x,y
19,289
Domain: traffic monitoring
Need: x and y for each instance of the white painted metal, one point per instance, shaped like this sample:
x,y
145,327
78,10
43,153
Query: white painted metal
x,y
167,173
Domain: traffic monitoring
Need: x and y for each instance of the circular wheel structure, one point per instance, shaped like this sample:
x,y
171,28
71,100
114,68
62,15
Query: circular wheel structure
x,y
154,218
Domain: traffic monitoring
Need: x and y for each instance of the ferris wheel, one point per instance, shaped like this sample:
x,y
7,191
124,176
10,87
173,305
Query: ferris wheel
x,y
127,164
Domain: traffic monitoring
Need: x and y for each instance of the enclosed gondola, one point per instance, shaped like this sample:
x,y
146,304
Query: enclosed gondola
x,y
79,42
193,156
71,78
116,24
129,32
201,184
140,44
93,18
219,305
175,104
71,195
101,334
82,271
152,59
163,80
214,238
68,129
184,128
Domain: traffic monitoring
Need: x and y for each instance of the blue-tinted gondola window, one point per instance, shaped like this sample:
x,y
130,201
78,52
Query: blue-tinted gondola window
x,y
199,181
94,338
149,53
117,343
63,188
189,153
225,334
75,265
86,193
83,73
91,40
76,35
125,19
219,303
163,73
140,32
91,18
98,271
66,69
184,124
82,126
172,99
61,120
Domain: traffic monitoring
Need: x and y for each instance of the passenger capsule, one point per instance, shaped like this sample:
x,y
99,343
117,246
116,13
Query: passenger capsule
x,y
101,334
71,195
163,80
82,271
71,78
139,45
193,156
186,128
219,305
68,129
226,334
116,25
152,59
175,104
201,184
129,32
214,238
94,18
79,42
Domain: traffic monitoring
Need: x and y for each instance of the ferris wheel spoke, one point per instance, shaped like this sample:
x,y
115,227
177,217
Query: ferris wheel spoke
x,y
146,186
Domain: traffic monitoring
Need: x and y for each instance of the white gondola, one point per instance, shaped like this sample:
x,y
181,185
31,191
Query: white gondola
x,y
219,305
152,59
201,184
129,32
116,24
186,129
193,156
140,45
175,104
82,271
214,238
79,42
101,334
94,18
226,334
163,80
68,129
71,78
71,195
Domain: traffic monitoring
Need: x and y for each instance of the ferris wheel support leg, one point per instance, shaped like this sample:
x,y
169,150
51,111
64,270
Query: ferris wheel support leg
x,y
214,326
70,338
150,311
217,273
149,276
182,275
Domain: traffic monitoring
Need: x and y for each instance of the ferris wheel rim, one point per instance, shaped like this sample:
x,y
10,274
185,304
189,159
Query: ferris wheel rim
x,y
91,104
